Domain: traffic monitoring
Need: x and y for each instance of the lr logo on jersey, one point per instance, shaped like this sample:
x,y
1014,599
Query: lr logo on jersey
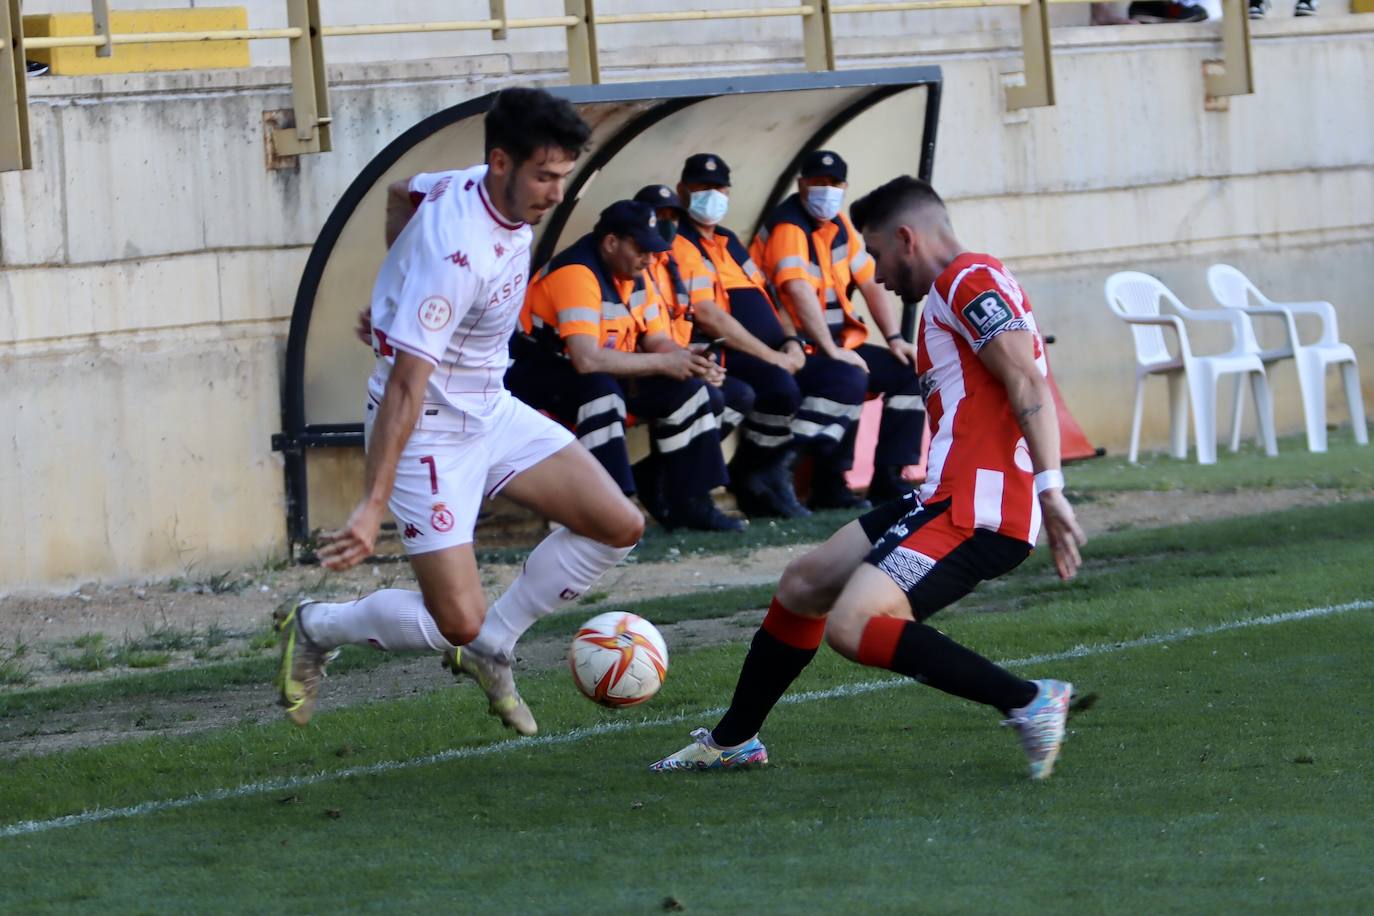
x,y
987,312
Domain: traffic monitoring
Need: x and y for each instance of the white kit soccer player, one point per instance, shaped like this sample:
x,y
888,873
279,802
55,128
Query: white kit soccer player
x,y
443,432
450,294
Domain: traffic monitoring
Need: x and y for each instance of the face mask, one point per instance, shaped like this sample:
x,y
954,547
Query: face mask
x,y
823,202
668,229
708,207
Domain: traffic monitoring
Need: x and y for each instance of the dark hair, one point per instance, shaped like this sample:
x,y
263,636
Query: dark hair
x,y
523,121
878,208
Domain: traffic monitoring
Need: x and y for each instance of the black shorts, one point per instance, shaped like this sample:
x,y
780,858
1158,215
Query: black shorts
x,y
935,561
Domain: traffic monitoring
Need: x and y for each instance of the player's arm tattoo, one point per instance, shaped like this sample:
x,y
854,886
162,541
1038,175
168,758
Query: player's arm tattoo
x,y
1026,413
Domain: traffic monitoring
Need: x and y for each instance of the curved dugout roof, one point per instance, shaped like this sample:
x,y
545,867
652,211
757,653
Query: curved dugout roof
x,y
882,121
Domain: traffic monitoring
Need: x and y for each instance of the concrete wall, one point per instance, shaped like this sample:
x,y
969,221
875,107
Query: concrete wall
x,y
150,259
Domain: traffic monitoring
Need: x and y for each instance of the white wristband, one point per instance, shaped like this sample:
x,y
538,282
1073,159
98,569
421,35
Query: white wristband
x,y
1049,480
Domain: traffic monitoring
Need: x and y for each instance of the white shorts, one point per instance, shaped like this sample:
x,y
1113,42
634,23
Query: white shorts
x,y
443,477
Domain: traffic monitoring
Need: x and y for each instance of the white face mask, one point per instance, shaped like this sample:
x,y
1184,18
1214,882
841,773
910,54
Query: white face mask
x,y
824,202
708,207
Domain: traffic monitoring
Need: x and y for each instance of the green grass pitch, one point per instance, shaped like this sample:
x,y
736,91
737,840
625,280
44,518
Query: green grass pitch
x,y
1224,769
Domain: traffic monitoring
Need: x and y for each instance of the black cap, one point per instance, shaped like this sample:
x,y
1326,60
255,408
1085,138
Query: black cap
x,y
827,163
706,168
658,196
632,218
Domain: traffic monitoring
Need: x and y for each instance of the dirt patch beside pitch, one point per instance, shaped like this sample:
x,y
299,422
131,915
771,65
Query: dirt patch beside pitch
x,y
225,616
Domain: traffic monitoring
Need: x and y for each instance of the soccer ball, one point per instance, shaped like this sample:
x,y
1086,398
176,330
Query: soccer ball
x,y
618,659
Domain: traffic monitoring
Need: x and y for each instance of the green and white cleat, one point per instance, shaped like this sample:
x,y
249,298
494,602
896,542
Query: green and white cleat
x,y
1041,724
704,754
497,681
302,663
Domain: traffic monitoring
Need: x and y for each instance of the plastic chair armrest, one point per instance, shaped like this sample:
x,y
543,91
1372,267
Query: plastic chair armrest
x,y
1167,321
1278,310
1323,310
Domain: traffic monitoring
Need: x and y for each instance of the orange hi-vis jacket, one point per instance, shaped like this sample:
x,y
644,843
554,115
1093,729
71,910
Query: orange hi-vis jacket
x,y
725,259
830,256
575,294
681,280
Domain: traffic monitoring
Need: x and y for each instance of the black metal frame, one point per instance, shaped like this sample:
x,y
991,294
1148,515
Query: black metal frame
x,y
297,435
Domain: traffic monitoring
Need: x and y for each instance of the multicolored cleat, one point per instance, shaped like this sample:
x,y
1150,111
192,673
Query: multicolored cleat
x,y
497,681
703,754
302,664
1041,725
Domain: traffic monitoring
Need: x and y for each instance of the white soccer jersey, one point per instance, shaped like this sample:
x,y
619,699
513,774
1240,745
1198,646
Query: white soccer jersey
x,y
450,292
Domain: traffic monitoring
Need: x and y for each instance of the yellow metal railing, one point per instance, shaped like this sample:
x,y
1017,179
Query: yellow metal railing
x,y
305,32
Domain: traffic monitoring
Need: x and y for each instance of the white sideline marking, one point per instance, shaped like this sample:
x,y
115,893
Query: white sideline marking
x,y
25,828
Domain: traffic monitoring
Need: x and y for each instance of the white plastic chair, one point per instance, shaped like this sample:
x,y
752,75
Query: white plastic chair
x,y
1234,290
1135,298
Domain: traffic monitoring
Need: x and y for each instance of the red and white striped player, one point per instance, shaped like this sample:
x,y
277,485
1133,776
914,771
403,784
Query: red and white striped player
x,y
443,432
993,481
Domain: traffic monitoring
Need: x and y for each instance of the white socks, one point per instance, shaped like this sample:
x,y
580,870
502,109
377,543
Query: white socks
x,y
559,569
557,572
393,619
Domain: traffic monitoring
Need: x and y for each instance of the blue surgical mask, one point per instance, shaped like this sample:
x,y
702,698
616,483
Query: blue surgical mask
x,y
708,207
823,202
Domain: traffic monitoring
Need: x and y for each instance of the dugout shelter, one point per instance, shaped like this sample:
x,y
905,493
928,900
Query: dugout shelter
x,y
882,121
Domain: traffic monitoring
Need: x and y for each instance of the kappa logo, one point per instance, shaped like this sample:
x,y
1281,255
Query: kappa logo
x,y
457,258
410,531
987,312
436,313
568,594
499,250
441,519
438,190
468,186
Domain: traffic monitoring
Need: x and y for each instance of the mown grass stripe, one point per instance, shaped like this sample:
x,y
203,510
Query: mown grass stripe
x,y
25,828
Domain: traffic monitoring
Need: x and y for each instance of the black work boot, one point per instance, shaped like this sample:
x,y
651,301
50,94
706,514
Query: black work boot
x,y
699,513
887,484
829,490
761,480
649,489
776,478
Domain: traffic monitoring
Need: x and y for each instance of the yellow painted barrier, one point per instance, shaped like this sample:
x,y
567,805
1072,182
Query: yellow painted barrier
x,y
142,57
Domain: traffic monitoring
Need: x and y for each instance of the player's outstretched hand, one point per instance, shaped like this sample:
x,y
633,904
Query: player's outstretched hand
x,y
849,356
353,543
1063,532
363,329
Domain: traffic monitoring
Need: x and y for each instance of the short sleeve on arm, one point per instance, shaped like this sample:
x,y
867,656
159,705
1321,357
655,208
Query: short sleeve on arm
x,y
787,256
984,308
861,266
576,299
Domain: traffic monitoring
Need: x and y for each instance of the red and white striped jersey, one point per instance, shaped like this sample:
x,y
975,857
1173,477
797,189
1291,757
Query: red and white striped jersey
x,y
450,292
978,458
